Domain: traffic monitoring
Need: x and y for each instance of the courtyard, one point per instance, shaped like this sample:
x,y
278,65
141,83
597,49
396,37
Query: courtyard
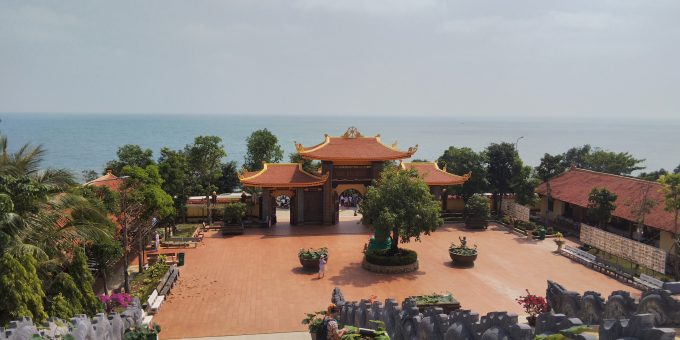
x,y
253,283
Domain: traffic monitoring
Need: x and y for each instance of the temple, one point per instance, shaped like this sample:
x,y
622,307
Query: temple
x,y
348,162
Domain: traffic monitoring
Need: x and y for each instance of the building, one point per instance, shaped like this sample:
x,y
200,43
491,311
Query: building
x,y
569,204
109,180
348,162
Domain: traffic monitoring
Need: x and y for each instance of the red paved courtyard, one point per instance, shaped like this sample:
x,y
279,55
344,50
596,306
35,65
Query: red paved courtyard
x,y
253,283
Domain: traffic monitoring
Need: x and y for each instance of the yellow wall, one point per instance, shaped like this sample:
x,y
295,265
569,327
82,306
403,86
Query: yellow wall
x,y
666,240
558,208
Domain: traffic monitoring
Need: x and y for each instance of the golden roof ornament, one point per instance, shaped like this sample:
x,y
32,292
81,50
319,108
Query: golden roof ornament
x,y
352,132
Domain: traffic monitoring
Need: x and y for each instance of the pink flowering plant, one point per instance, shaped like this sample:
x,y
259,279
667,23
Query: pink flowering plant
x,y
533,304
115,302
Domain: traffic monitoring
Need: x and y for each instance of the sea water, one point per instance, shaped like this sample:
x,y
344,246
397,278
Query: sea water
x,y
87,141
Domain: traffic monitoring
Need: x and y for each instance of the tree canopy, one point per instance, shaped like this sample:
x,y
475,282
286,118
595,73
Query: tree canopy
x,y
263,146
400,201
597,159
671,192
461,161
307,164
130,155
205,159
601,205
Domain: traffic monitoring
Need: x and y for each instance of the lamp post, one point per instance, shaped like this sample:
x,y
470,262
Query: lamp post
x,y
516,142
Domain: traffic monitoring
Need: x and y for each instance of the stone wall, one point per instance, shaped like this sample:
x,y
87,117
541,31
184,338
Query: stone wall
x,y
405,322
80,327
517,211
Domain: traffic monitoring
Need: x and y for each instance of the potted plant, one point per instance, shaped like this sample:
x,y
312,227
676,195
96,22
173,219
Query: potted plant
x,y
445,301
462,254
559,241
529,228
477,212
314,321
533,305
234,213
309,258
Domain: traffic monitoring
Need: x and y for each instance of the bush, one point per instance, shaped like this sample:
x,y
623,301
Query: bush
x,y
234,212
388,257
143,284
477,206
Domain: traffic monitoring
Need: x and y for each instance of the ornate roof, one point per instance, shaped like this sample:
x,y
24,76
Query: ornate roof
x,y
353,146
432,175
281,175
575,185
109,180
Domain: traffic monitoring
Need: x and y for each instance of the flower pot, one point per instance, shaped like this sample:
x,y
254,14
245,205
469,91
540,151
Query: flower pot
x,y
313,335
559,244
531,320
463,260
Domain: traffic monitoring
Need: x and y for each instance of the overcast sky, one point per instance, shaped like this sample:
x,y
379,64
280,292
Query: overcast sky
x,y
588,58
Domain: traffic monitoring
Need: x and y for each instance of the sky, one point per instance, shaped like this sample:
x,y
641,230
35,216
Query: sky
x,y
570,58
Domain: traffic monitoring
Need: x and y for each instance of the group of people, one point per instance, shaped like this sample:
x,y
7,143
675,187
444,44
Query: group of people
x,y
349,200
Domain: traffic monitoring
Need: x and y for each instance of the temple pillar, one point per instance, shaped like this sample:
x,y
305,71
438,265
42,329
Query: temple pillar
x,y
300,205
266,204
328,201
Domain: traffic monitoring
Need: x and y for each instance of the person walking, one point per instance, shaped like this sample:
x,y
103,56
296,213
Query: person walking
x,y
322,266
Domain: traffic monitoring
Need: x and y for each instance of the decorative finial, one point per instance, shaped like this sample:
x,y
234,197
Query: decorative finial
x,y
394,145
412,149
352,132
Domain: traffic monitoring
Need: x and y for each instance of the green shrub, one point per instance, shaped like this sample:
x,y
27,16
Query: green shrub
x,y
477,206
387,257
234,213
313,254
433,298
143,284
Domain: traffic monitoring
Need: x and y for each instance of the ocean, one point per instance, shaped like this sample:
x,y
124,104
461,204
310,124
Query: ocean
x,y
87,141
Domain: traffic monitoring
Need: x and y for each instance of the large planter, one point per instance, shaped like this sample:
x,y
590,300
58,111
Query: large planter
x,y
472,222
310,264
381,269
463,260
448,307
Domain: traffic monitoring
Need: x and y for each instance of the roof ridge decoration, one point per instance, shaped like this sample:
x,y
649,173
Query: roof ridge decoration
x,y
352,132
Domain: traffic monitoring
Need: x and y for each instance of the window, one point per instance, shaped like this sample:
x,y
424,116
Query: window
x,y
551,204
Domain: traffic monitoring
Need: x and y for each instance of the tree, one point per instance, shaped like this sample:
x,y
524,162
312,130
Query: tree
x,y
524,186
676,170
89,175
130,155
308,165
400,201
461,161
263,146
597,159
641,209
671,193
204,157
173,167
503,168
550,167
601,205
228,181
105,254
653,175
21,293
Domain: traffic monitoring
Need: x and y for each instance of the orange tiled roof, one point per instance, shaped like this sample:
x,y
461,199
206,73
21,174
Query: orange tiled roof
x,y
352,146
109,180
575,185
432,175
282,175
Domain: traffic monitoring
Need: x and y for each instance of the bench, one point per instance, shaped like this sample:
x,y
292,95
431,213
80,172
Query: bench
x,y
154,301
580,255
170,279
649,282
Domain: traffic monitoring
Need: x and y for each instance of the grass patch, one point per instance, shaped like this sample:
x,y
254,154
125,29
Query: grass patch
x,y
433,298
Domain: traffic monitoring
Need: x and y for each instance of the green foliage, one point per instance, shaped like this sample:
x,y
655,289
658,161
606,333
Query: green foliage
x,y
21,293
59,307
82,276
173,167
461,161
569,333
89,175
146,191
601,205
130,155
308,165
671,192
477,206
434,298
234,212
462,249
312,253
401,201
378,334
263,146
596,159
101,197
314,320
143,284
388,257
205,157
652,175
143,332
550,166
228,180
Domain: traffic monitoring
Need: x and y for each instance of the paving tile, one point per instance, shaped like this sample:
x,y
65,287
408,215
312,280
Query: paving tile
x,y
253,283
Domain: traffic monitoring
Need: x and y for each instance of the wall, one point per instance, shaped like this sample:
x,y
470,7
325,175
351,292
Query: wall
x,y
666,240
